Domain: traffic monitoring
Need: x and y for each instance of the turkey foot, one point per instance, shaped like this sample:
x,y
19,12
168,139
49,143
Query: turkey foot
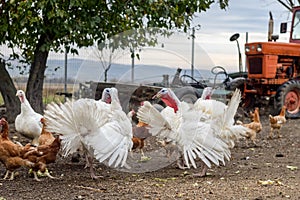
x,y
203,172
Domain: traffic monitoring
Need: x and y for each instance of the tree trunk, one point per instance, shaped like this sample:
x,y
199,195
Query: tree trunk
x,y
34,89
8,92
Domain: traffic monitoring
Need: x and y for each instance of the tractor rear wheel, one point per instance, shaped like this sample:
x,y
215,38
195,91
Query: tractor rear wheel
x,y
288,94
187,94
236,83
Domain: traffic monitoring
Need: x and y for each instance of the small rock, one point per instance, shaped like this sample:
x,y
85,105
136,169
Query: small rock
x,y
75,158
279,155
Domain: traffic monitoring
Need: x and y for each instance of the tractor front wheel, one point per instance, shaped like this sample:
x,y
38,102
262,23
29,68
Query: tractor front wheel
x,y
288,94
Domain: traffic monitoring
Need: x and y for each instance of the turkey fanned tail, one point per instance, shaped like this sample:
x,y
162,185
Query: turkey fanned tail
x,y
194,138
90,125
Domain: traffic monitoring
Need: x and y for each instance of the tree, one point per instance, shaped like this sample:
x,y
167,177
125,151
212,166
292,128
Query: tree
x,y
37,27
8,92
106,55
289,4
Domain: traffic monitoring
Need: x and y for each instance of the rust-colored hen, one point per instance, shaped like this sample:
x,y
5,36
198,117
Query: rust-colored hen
x,y
276,122
254,127
46,138
11,154
45,153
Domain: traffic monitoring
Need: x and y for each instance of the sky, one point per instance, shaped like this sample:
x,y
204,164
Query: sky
x,y
240,17
212,45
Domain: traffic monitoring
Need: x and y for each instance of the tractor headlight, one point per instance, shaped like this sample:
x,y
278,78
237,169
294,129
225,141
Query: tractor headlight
x,y
247,49
259,48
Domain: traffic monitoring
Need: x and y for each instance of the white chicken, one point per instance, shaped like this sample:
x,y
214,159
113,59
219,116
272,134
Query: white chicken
x,y
102,130
28,121
195,135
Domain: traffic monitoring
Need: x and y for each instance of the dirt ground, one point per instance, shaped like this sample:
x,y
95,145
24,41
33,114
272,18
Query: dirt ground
x,y
269,170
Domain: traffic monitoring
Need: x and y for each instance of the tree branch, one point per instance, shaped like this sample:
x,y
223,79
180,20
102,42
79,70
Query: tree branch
x,y
285,5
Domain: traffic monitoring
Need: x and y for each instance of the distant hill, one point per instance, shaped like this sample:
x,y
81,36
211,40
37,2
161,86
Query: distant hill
x,y
89,70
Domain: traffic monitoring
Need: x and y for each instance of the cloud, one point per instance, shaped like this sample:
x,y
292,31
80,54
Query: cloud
x,y
240,17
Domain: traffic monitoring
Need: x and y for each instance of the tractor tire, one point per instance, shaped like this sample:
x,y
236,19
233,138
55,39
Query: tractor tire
x,y
236,83
288,94
188,95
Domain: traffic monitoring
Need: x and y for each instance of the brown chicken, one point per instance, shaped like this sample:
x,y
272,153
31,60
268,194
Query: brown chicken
x,y
11,154
46,137
276,122
44,155
254,127
140,133
45,152
138,143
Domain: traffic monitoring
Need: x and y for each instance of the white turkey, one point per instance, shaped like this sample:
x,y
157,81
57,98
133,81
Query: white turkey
x,y
28,121
212,108
187,127
211,111
101,129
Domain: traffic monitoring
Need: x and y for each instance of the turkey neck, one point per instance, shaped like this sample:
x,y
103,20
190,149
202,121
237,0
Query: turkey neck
x,y
22,99
25,106
171,102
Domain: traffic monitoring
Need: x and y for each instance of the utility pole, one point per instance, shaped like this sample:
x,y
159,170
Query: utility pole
x,y
132,65
66,73
193,50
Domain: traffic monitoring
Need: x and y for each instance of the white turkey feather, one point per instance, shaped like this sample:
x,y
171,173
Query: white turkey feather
x,y
223,125
197,135
102,129
149,115
232,107
73,120
194,138
109,143
210,107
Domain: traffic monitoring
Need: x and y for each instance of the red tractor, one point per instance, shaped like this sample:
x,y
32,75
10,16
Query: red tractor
x,y
273,72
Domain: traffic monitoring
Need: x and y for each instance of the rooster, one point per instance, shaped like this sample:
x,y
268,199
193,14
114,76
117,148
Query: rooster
x,y
100,128
186,127
28,121
11,154
276,122
254,127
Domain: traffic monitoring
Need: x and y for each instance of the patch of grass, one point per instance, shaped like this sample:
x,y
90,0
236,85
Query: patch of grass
x,y
1,103
49,92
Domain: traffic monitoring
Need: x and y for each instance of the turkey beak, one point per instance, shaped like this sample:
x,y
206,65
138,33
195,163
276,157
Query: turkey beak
x,y
157,96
